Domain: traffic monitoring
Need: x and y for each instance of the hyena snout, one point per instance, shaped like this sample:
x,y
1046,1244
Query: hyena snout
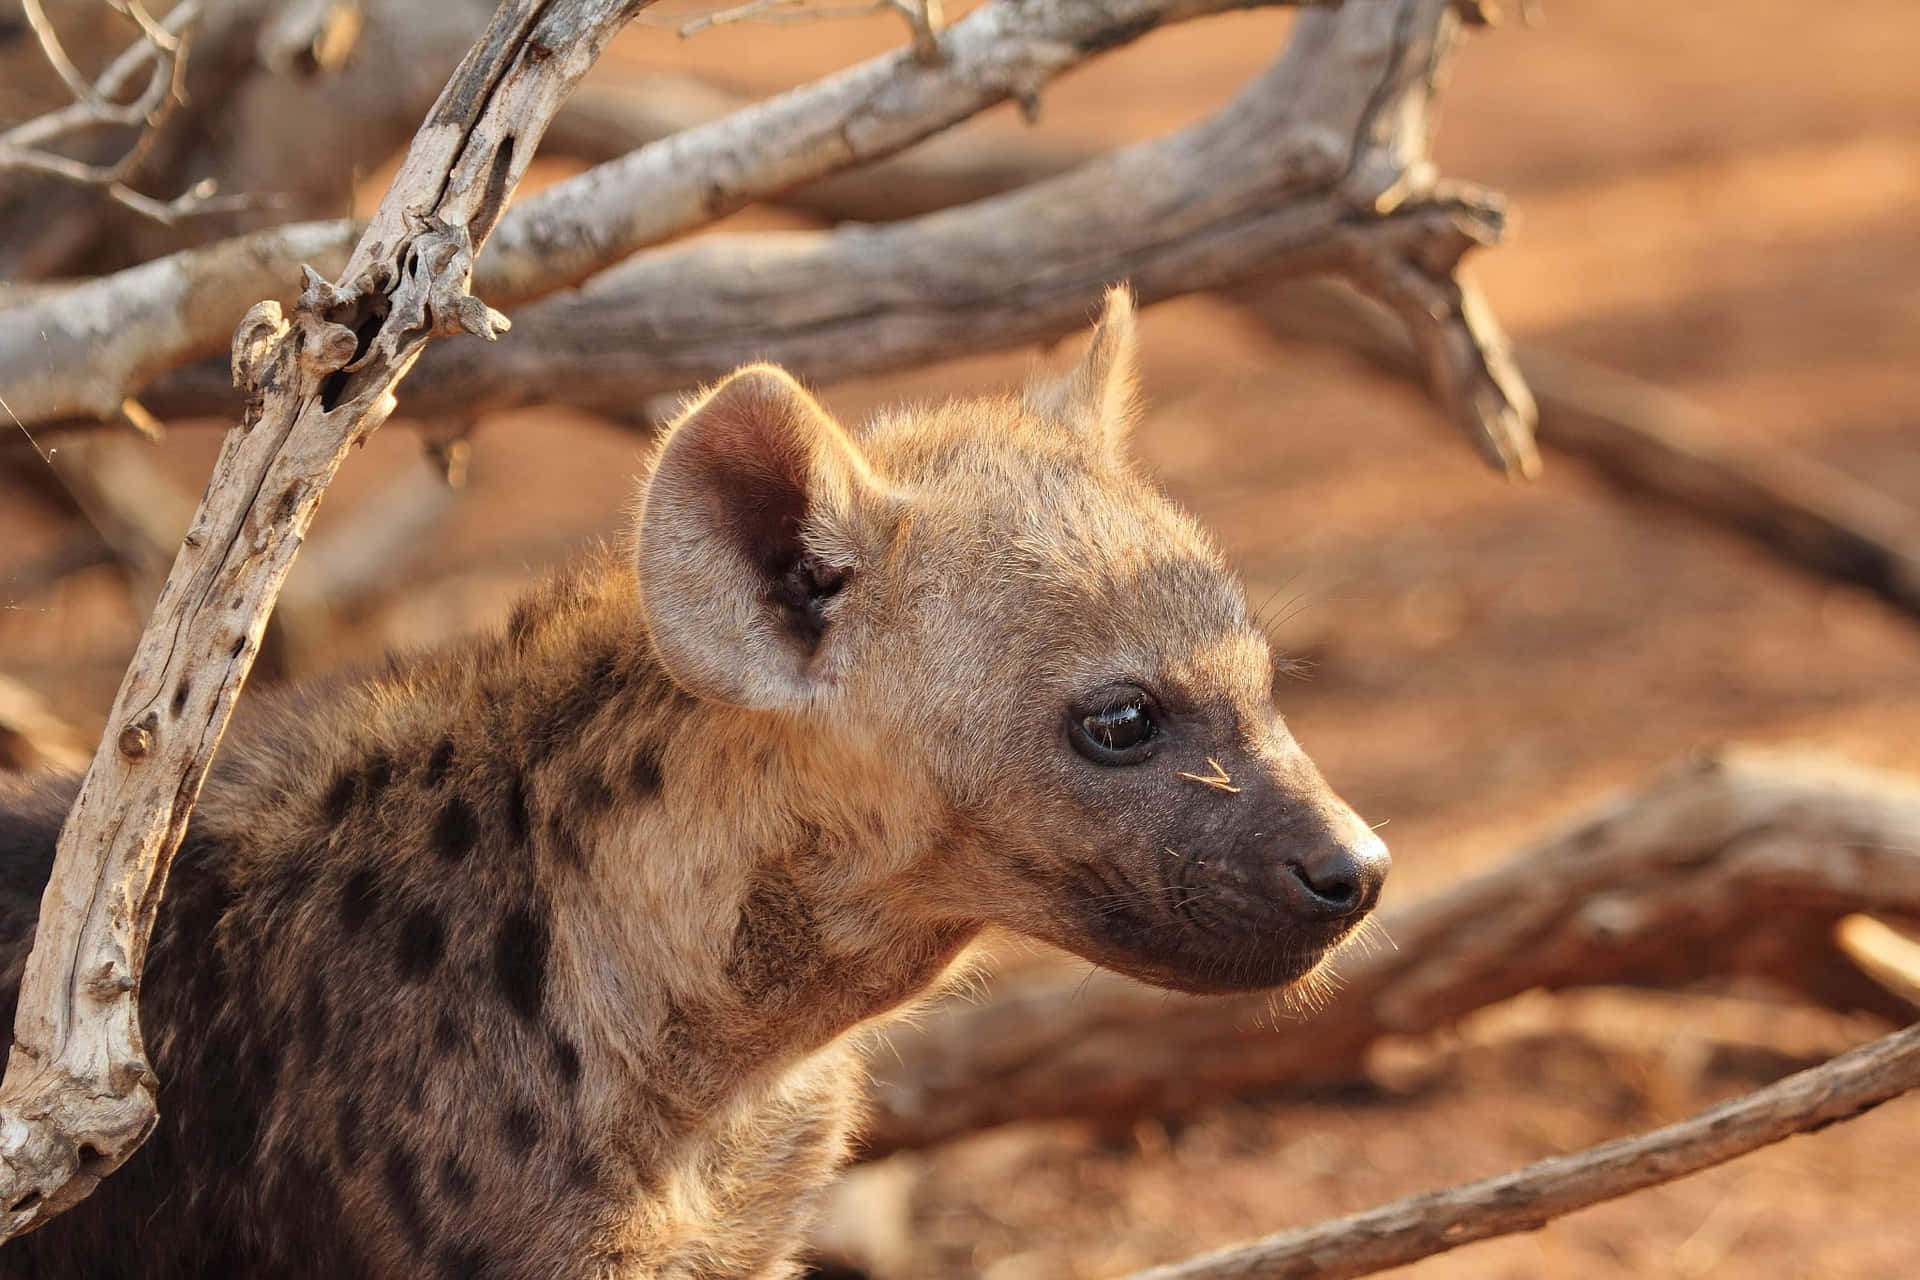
x,y
1336,875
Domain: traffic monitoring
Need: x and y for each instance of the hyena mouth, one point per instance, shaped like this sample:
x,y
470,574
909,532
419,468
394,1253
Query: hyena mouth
x,y
1188,948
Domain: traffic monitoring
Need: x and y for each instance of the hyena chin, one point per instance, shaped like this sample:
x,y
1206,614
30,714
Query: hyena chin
x,y
539,956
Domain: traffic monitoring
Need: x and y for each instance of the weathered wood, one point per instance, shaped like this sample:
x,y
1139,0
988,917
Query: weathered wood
x,y
1315,167
78,1093
600,124
1662,887
1420,1226
81,352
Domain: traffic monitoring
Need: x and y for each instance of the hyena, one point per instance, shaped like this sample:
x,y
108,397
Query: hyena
x,y
550,954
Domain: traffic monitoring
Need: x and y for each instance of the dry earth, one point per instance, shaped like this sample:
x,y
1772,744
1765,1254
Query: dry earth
x,y
1721,197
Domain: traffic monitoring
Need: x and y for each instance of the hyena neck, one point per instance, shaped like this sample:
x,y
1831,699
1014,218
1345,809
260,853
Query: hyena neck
x,y
697,893
750,886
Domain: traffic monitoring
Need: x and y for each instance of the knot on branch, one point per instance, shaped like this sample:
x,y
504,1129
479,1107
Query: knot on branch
x,y
430,298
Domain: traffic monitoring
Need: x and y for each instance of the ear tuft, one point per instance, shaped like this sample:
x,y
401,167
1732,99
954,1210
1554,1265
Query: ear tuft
x,y
1098,396
735,592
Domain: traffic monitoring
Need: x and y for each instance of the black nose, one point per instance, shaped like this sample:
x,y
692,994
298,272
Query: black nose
x,y
1337,879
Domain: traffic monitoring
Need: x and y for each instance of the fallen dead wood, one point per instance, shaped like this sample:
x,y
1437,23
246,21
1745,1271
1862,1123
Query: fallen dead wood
x,y
1436,1221
78,1094
1663,887
1653,442
1317,166
80,353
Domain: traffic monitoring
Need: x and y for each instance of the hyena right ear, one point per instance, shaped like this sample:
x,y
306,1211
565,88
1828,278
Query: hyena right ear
x,y
752,523
1097,398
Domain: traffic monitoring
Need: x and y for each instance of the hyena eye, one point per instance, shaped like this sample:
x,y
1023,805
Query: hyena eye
x,y
1120,732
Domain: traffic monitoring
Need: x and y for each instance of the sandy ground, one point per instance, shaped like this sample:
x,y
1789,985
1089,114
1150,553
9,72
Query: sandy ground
x,y
1721,197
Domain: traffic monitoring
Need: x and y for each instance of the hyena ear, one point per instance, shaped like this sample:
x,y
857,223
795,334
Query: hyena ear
x,y
1098,396
750,526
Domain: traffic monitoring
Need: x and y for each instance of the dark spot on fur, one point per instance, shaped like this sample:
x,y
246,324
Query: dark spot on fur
x,y
566,1060
774,938
340,797
448,1038
463,1262
583,1171
520,962
440,762
520,1126
358,899
423,940
564,844
346,1132
644,775
398,1175
519,820
593,793
456,1181
379,773
313,1020
455,830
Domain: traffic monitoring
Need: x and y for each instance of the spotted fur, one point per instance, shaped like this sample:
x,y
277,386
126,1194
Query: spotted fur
x,y
551,954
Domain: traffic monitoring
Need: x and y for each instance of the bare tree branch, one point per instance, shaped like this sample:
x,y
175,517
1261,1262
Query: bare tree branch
x,y
61,358
1662,887
1296,176
78,1093
1420,1226
161,52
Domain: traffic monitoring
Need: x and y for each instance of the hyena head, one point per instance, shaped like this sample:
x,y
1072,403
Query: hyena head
x,y
1017,634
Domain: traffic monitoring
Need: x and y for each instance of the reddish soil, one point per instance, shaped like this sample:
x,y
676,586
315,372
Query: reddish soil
x,y
1724,205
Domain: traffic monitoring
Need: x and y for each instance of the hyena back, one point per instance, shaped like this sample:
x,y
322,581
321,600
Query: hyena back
x,y
550,954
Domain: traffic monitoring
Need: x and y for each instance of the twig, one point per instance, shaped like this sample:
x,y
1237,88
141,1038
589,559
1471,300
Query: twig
x,y
78,1094
1423,1225
924,18
1883,953
162,53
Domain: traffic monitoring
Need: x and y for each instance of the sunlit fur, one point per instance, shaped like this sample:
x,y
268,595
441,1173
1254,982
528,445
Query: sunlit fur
x,y
554,953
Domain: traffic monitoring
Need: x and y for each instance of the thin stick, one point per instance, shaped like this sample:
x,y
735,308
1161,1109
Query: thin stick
x,y
1436,1221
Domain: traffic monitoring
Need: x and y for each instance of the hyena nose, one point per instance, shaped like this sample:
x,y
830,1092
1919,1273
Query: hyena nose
x,y
1336,878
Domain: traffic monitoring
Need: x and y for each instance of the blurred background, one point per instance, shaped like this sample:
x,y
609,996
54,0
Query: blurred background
x,y
1721,199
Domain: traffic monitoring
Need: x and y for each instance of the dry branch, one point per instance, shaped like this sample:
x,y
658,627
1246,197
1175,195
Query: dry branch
x,y
160,53
1315,167
1662,887
1420,1226
79,354
1651,441
78,1096
602,123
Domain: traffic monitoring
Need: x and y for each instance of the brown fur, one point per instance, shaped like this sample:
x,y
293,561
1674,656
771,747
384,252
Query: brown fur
x,y
550,955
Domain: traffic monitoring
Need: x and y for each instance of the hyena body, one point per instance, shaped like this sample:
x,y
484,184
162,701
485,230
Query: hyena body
x,y
550,955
